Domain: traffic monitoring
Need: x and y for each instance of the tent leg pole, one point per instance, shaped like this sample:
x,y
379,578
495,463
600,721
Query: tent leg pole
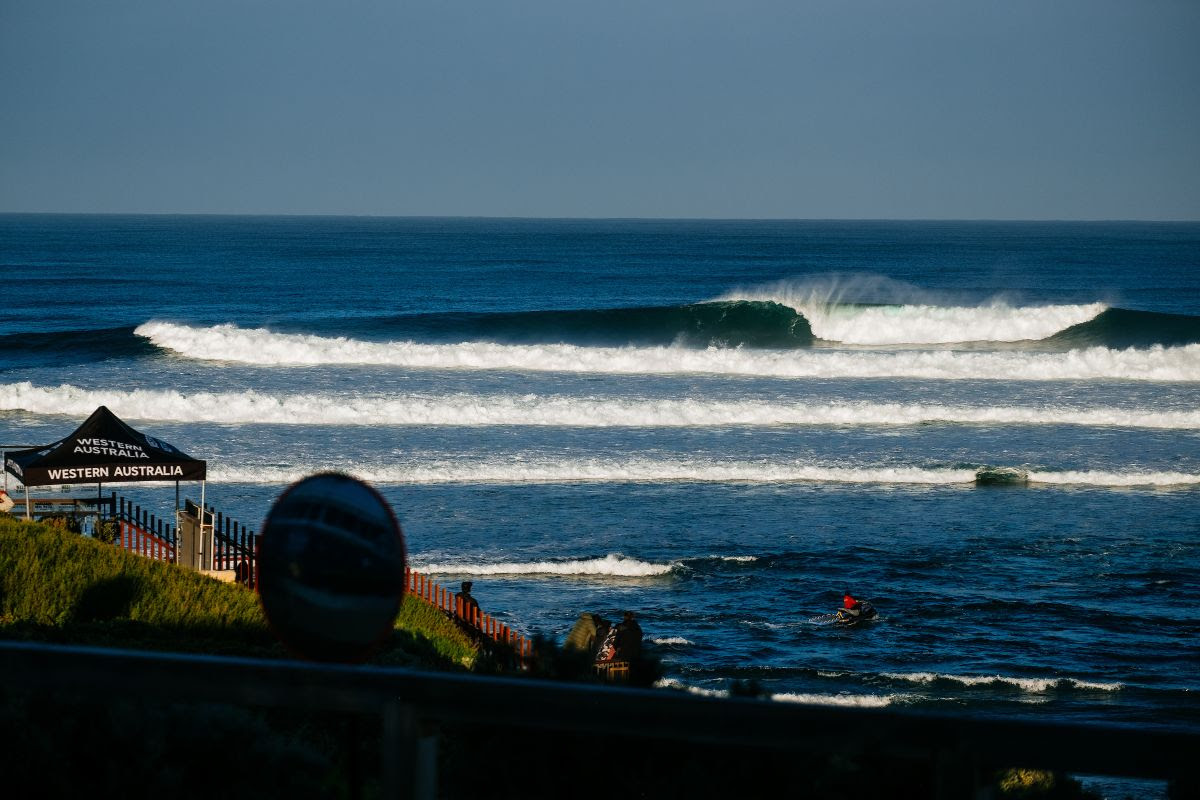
x,y
203,554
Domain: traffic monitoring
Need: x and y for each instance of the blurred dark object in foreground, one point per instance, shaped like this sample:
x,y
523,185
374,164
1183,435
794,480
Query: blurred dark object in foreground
x,y
402,733
331,568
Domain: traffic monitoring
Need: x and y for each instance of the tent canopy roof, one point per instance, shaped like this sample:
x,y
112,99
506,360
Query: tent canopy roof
x,y
103,450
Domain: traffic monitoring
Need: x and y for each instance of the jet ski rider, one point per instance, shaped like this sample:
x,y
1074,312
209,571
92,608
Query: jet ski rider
x,y
850,605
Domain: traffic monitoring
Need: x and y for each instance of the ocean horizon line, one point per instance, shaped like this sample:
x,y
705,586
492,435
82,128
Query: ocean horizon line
x,y
607,218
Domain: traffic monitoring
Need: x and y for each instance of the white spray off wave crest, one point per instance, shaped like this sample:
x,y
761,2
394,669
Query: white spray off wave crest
x,y
460,409
834,316
262,347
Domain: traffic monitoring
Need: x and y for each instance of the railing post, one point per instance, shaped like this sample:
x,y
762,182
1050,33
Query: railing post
x,y
408,759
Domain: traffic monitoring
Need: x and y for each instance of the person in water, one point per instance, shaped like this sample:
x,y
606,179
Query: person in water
x,y
850,604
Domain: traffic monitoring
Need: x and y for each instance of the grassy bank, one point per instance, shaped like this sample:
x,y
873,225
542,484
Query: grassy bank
x,y
58,586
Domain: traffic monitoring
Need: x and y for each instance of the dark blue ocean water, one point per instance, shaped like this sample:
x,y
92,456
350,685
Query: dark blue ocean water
x,y
719,425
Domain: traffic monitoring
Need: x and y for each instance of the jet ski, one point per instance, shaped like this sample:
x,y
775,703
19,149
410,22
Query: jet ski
x,y
862,612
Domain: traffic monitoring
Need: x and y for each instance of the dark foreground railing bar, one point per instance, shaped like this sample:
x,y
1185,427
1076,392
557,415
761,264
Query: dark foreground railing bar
x,y
409,699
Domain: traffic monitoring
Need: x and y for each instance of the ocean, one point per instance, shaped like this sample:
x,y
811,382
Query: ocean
x,y
719,425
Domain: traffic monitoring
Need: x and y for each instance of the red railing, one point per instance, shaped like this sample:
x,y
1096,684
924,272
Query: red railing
x,y
143,533
234,548
421,587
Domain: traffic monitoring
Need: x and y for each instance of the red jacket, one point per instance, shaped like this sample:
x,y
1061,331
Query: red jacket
x,y
849,602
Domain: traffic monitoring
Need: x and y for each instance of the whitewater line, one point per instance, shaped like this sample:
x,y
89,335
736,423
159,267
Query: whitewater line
x,y
265,348
1025,684
251,407
843,700
516,471
612,565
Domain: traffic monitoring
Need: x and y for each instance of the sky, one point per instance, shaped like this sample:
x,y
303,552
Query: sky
x,y
805,109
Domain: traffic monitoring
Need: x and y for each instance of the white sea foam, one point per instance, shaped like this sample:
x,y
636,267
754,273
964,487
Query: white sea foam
x,y
672,640
846,700
649,470
849,700
595,470
460,409
1102,478
1024,684
917,322
672,683
613,564
263,347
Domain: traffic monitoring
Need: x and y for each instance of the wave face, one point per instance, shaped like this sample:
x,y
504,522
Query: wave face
x,y
729,323
72,347
1120,328
266,348
252,407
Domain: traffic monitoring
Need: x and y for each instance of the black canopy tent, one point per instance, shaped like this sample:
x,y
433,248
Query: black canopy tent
x,y
103,450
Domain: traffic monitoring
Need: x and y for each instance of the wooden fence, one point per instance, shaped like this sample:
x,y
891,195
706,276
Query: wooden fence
x,y
421,587
235,548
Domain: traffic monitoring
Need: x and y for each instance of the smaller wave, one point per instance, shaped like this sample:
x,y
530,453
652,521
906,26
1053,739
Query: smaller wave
x,y
634,470
672,640
33,349
672,683
845,700
1036,685
614,564
841,700
1114,479
648,470
460,409
1121,328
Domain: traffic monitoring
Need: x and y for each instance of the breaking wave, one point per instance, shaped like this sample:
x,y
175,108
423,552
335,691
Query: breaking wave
x,y
1024,684
647,470
252,407
263,347
614,564
871,310
845,700
876,324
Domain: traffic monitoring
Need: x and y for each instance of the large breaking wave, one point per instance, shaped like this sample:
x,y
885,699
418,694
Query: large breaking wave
x,y
268,348
251,407
783,317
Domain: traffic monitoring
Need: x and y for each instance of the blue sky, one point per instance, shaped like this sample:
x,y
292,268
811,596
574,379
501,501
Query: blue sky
x,y
1013,109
